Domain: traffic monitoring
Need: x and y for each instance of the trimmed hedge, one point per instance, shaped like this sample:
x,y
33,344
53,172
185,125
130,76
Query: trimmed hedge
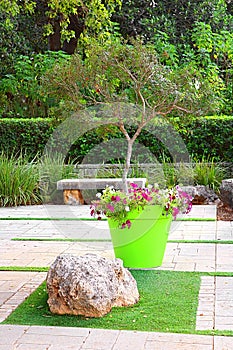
x,y
208,136
27,135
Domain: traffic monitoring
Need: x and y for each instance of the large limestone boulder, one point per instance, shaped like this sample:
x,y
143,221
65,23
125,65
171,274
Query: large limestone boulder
x,y
226,192
89,285
201,194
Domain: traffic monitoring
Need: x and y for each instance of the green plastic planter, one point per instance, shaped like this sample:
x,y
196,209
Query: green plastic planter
x,y
144,244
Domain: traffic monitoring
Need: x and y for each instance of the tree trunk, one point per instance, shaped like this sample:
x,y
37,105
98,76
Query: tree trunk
x,y
77,25
127,165
54,40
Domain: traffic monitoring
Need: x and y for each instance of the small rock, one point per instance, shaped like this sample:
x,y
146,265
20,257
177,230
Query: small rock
x,y
89,285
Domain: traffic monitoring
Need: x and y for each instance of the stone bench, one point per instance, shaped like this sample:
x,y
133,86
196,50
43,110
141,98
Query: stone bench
x,y
72,188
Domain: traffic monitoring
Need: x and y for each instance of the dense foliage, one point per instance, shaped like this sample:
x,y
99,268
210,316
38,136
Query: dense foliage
x,y
197,34
61,22
22,92
32,135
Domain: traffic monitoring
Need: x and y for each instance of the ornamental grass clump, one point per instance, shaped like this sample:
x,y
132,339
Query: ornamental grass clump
x,y
117,205
19,181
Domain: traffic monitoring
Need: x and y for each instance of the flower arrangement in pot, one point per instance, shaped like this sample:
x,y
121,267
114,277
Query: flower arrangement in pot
x,y
117,205
146,214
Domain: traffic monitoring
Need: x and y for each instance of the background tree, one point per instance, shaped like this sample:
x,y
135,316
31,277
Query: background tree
x,y
62,22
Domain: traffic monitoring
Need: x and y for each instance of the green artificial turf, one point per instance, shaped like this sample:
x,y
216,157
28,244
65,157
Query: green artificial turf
x,y
213,241
168,303
89,219
61,239
195,219
24,268
50,219
205,241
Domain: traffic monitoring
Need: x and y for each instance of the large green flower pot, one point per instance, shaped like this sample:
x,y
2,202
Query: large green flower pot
x,y
144,244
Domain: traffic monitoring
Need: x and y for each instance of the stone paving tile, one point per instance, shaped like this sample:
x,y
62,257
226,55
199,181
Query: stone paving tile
x,y
166,341
192,257
42,211
26,253
92,230
193,230
224,303
178,256
62,338
206,304
58,341
215,308
10,334
100,339
19,285
224,230
30,253
54,229
223,343
202,211
224,257
134,340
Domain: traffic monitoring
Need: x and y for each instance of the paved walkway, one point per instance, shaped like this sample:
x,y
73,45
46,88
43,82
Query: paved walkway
x,y
183,253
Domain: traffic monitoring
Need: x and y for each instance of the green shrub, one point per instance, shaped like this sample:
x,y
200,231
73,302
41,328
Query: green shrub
x,y
209,136
209,173
19,181
30,135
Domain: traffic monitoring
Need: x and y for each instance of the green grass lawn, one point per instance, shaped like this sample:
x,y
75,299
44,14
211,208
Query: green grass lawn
x,y
168,303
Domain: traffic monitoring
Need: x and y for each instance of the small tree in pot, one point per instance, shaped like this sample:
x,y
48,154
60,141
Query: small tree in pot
x,y
127,84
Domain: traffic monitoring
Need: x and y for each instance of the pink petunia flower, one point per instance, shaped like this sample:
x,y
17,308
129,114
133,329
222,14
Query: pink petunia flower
x,y
175,212
110,207
133,185
128,223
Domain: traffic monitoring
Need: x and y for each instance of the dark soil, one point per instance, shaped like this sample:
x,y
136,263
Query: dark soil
x,y
224,212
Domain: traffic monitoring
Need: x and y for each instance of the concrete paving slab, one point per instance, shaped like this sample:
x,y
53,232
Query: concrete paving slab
x,y
224,230
224,303
223,343
193,230
45,211
54,229
43,253
20,337
206,304
190,257
224,257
